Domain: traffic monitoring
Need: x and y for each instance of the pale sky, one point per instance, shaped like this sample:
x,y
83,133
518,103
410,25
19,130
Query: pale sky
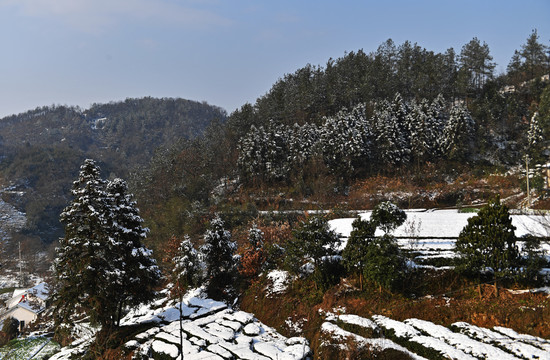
x,y
79,52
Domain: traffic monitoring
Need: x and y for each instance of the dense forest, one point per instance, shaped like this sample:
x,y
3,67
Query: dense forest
x,y
212,189
42,149
396,111
401,111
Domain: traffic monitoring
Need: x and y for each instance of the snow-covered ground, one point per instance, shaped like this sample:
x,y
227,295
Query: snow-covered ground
x,y
441,228
211,330
462,341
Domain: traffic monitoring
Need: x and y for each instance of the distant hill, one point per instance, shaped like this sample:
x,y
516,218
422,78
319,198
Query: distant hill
x,y
41,150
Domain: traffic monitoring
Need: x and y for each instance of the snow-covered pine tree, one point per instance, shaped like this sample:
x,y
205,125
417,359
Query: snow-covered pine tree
x,y
345,142
535,139
101,265
81,254
302,145
426,129
438,117
132,272
251,150
186,272
218,250
390,121
458,134
264,153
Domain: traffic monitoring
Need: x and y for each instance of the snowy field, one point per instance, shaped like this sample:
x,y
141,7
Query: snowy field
x,y
440,228
210,331
462,341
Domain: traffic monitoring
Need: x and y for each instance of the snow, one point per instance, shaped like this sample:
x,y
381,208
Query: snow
x,y
376,343
280,280
518,348
439,230
442,224
164,348
460,341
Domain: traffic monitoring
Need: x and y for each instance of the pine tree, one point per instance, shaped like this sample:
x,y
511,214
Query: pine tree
x,y
361,236
132,272
388,216
392,138
384,263
345,142
186,272
488,242
101,266
81,254
218,250
314,241
458,134
379,258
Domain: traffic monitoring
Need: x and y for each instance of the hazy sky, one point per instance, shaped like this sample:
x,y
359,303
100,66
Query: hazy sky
x,y
79,52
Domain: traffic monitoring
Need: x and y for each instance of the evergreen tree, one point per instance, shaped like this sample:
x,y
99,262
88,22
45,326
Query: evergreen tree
x,y
388,216
377,258
476,66
218,250
81,255
132,272
458,134
313,240
101,266
392,138
354,254
488,242
186,272
384,265
345,142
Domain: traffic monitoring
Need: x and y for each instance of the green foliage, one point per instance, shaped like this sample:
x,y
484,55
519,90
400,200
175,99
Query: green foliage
x,y
101,265
313,240
384,263
488,242
362,234
221,267
388,216
533,260
10,328
377,259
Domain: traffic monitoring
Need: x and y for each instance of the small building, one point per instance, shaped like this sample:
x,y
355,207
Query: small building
x,y
26,304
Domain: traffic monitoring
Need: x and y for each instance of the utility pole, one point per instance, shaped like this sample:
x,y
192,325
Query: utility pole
x,y
20,267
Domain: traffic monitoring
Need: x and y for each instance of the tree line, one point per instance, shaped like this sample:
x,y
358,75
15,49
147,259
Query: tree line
x,y
350,144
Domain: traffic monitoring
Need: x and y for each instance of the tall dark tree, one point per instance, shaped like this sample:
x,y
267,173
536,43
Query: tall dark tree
x,y
314,241
101,265
488,242
361,236
218,251
476,66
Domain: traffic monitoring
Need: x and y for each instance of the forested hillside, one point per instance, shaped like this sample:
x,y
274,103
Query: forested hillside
x,y
43,148
401,114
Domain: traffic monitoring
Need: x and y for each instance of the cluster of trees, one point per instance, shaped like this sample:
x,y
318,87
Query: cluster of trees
x,y
350,143
101,265
488,244
42,148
